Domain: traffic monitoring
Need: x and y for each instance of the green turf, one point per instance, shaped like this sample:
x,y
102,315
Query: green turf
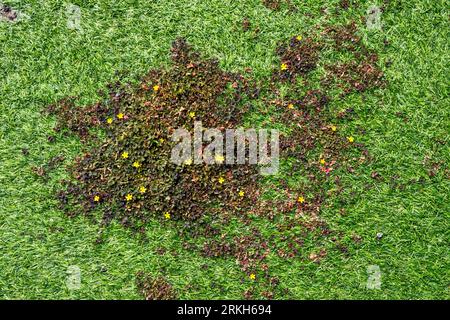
x,y
42,61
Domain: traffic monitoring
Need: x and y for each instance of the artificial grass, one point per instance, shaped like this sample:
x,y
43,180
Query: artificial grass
x,y
42,61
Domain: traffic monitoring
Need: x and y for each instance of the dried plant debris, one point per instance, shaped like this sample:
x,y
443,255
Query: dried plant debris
x,y
357,76
314,143
298,58
125,173
347,4
42,171
7,13
155,288
276,5
246,24
360,74
272,4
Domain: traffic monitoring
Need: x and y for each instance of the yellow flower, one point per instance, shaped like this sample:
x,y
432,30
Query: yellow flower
x,y
167,215
109,120
188,162
142,189
97,198
290,106
192,114
333,128
241,193
219,159
129,197
161,140
125,155
299,38
252,276
301,199
120,116
136,164
350,139
155,88
284,66
221,180
322,161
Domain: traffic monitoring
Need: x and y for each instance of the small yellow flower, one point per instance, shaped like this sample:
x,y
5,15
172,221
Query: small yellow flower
x,y
167,215
155,88
129,197
350,139
97,198
188,162
290,106
241,193
252,276
219,159
333,128
299,38
192,114
221,180
284,67
120,116
109,120
125,155
142,189
322,161
161,140
301,199
136,164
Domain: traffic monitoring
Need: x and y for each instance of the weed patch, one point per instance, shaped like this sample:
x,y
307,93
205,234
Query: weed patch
x,y
155,288
125,173
129,175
